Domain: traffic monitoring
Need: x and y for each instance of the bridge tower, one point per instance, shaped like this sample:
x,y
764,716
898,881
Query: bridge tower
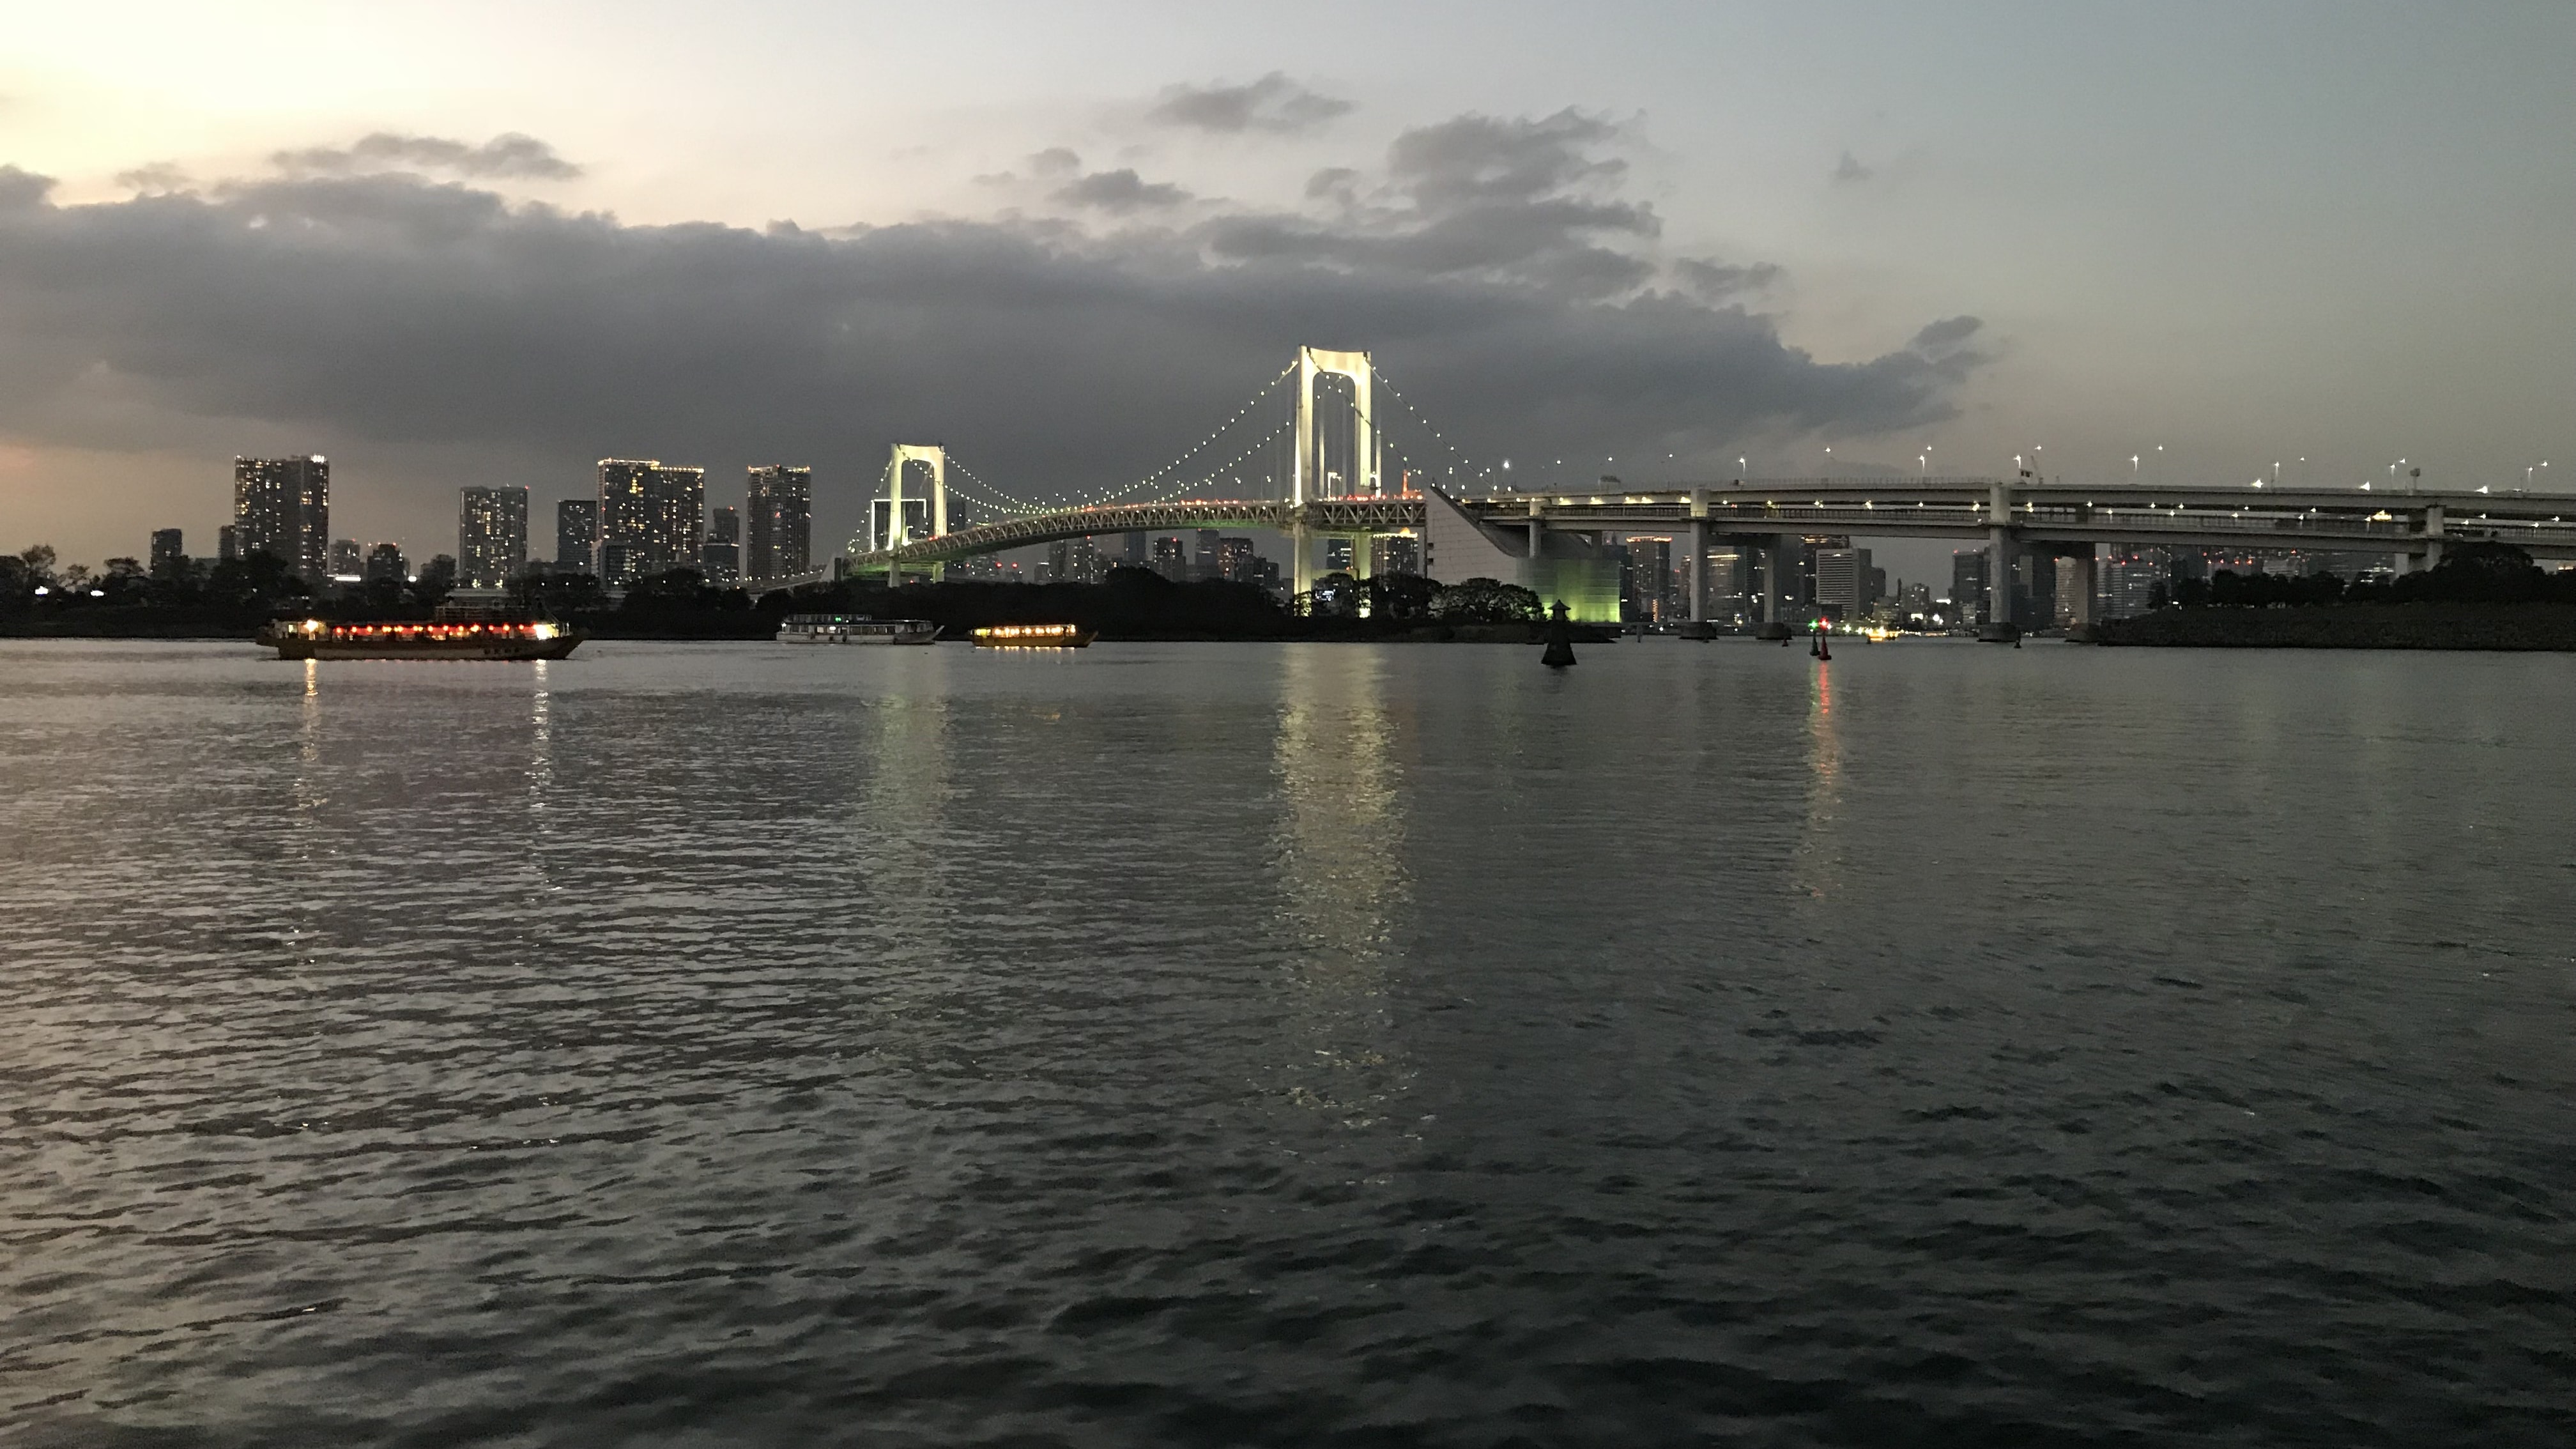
x,y
897,532
1308,480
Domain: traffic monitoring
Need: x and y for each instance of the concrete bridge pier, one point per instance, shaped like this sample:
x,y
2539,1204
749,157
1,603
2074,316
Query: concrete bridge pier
x,y
1699,556
2432,535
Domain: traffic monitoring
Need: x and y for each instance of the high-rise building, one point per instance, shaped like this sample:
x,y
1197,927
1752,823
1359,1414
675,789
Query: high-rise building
x,y
282,506
1237,560
1337,555
1172,559
1138,553
778,523
1649,580
168,550
1968,586
1394,553
576,534
227,544
385,564
720,557
491,537
348,561
653,515
1072,561
2034,589
1843,587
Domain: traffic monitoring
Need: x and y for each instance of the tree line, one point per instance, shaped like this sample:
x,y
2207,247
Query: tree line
x,y
2471,573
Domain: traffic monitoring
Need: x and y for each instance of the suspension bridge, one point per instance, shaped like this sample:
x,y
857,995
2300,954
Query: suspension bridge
x,y
1324,460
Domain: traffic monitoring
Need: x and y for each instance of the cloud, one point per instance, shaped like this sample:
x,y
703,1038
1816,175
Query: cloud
x,y
1054,161
1849,170
1120,192
510,155
1490,264
158,176
1273,103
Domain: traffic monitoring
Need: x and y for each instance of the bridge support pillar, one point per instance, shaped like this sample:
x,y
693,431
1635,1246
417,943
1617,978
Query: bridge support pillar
x,y
1537,527
2432,535
1699,556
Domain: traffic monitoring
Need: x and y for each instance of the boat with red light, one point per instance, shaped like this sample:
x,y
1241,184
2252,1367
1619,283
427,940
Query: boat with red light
x,y
449,633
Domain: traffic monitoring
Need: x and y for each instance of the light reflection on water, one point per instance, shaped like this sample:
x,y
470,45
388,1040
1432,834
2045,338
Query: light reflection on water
x,y
1199,1044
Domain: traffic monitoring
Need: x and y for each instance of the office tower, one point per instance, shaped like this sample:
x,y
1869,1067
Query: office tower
x,y
1138,553
652,514
1072,561
576,534
385,564
227,544
1337,555
916,520
2034,589
1968,586
1236,559
1265,573
1650,571
1728,584
720,557
1205,562
1395,553
348,561
1843,587
1172,559
167,551
491,537
778,523
282,506
2135,580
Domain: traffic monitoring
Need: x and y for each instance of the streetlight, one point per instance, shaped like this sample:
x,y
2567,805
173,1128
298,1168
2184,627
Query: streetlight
x,y
2133,469
2534,468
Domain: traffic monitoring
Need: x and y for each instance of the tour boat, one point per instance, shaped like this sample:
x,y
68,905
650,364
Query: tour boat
x,y
450,633
855,629
1035,636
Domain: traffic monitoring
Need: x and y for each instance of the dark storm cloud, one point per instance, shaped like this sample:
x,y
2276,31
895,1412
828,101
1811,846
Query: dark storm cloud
x,y
1503,286
1120,191
1273,103
505,156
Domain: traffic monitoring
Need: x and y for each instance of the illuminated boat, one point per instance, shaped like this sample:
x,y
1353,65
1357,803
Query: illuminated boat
x,y
1035,636
855,629
449,634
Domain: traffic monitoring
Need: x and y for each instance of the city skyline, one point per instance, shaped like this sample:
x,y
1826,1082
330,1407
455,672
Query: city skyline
x,y
2313,232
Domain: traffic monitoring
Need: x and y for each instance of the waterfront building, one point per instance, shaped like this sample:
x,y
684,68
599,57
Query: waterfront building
x,y
576,534
1072,560
652,514
282,506
1650,577
168,551
348,561
1237,560
385,564
491,537
778,522
720,557
1172,559
1968,586
1845,586
1395,553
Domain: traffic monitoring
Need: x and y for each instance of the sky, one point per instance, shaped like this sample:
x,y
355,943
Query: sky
x,y
480,243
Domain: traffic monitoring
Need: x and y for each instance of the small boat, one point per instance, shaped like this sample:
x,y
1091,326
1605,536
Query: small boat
x,y
1035,636
450,633
855,629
